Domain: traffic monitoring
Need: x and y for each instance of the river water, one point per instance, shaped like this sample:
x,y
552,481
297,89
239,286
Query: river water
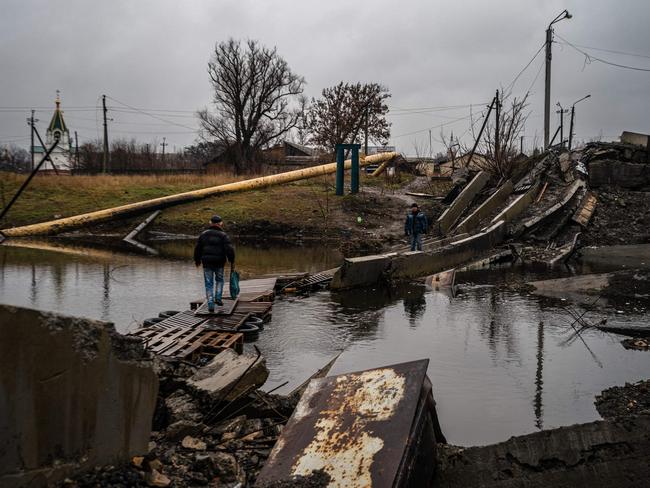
x,y
499,361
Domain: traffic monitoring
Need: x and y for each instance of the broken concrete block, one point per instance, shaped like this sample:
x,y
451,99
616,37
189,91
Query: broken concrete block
x,y
182,406
597,454
75,394
193,443
230,375
361,271
181,428
222,465
154,478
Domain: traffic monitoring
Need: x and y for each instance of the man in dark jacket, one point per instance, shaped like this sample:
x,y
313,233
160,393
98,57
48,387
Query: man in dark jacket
x,y
212,250
416,224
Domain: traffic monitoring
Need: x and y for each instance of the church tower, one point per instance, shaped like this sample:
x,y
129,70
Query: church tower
x,y
61,156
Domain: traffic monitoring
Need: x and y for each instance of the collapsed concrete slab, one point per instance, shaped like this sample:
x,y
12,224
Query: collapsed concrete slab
x,y
230,376
370,270
518,206
620,173
361,271
550,214
451,215
73,394
597,454
634,255
490,205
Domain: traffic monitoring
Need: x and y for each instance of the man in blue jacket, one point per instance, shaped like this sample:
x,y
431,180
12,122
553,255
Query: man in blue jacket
x,y
212,250
416,224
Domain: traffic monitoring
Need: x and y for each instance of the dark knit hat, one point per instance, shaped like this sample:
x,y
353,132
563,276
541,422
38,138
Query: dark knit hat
x,y
215,219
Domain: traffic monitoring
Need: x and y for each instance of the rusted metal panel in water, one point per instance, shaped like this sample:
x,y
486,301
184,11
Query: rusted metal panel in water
x,y
364,429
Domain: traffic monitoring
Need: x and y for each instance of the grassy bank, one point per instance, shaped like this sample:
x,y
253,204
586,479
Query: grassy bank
x,y
305,208
49,197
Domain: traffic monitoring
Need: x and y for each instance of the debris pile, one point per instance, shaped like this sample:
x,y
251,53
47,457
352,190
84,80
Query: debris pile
x,y
624,401
217,433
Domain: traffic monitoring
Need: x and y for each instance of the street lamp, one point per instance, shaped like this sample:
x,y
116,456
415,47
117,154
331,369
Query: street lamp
x,y
547,86
573,111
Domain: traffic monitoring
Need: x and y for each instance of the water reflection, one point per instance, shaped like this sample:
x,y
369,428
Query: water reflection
x,y
500,363
539,381
125,288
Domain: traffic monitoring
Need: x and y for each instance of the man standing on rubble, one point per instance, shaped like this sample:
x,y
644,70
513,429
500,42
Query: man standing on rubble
x,y
416,224
212,250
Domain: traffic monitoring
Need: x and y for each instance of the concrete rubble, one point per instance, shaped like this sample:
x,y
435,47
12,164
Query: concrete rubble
x,y
556,204
74,394
212,426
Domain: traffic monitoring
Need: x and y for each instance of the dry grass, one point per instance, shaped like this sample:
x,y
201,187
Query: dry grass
x,y
309,202
50,196
122,181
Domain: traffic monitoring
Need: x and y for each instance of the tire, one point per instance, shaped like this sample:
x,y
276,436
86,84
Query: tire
x,y
168,313
256,321
251,332
151,321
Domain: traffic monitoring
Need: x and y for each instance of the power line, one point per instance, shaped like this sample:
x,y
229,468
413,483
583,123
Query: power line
x,y
151,115
589,59
541,65
433,127
512,83
440,108
605,50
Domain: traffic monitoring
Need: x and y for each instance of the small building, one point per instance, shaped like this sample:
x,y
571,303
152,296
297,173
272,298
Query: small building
x,y
60,159
287,153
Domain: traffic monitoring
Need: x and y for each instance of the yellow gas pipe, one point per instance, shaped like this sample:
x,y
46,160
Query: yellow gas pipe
x,y
77,221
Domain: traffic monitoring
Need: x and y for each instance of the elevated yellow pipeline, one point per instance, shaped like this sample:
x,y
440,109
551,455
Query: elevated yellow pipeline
x,y
77,221
380,169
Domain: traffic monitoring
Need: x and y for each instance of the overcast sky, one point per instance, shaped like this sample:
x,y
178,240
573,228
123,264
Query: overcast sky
x,y
153,55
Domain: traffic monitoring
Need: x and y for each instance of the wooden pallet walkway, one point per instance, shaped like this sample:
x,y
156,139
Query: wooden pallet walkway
x,y
183,319
226,309
257,290
189,343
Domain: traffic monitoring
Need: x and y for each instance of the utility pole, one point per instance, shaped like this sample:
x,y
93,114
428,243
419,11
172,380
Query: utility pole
x,y
561,112
496,131
164,143
430,150
76,149
365,144
521,145
573,111
547,83
105,162
30,122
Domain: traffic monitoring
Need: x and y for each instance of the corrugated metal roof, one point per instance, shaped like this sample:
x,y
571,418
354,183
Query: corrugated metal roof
x,y
354,427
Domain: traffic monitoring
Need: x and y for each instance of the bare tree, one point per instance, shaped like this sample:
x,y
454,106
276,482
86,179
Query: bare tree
x,y
253,90
339,117
303,132
496,153
14,158
501,149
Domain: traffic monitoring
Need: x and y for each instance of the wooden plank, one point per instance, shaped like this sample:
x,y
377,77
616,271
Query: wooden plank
x,y
586,209
225,309
183,341
169,340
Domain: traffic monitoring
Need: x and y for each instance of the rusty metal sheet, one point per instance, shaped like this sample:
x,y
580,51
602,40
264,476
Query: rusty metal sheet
x,y
353,426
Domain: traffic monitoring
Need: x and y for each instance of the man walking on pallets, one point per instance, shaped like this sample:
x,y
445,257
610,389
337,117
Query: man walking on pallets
x,y
416,224
212,250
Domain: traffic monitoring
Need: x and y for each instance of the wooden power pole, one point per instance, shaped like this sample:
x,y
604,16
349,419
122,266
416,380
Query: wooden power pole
x,y
76,150
105,162
163,144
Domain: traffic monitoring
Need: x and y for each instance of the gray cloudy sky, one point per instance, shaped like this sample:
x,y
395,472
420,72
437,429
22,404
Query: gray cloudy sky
x,y
153,55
